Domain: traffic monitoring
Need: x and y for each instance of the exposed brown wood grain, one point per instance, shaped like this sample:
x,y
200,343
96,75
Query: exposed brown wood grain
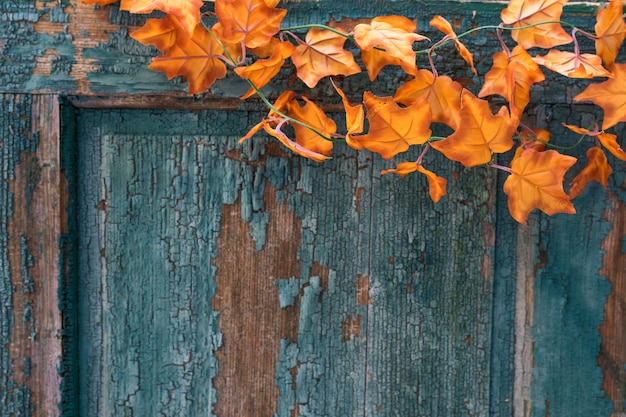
x,y
612,356
40,194
251,320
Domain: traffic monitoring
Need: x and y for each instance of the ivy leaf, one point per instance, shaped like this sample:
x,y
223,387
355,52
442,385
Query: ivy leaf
x,y
393,128
355,119
481,134
158,32
573,65
252,22
511,77
197,58
442,94
597,169
313,116
444,26
186,11
392,33
262,71
322,54
611,31
608,140
528,12
436,184
536,181
610,95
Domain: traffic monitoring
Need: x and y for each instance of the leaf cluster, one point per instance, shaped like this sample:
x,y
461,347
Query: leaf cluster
x,y
247,36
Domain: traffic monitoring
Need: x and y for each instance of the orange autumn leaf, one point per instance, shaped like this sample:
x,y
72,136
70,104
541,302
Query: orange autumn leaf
x,y
279,106
99,2
536,181
291,145
436,184
610,95
528,12
610,31
355,119
480,135
314,117
322,54
375,60
597,169
608,140
441,93
196,58
252,22
186,11
572,65
394,34
262,71
393,128
511,77
158,32
444,26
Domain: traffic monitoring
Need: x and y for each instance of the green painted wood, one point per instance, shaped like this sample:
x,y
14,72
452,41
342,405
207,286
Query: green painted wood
x,y
393,316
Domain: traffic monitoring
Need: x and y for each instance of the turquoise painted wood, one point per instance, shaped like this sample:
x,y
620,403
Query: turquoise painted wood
x,y
149,264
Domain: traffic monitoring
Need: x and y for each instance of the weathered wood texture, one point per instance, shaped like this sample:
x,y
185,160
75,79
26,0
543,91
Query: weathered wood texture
x,y
207,278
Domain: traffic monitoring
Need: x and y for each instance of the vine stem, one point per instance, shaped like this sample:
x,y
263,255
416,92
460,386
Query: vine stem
x,y
501,168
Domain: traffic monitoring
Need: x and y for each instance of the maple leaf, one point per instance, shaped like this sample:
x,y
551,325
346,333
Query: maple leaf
x,y
511,77
252,22
436,184
442,94
355,119
536,181
393,128
392,33
262,71
314,117
481,134
528,12
196,58
158,32
573,65
375,60
597,169
444,26
610,31
322,54
608,140
610,95
186,11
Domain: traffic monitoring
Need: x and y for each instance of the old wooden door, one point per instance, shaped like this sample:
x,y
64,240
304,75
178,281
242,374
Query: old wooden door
x,y
151,266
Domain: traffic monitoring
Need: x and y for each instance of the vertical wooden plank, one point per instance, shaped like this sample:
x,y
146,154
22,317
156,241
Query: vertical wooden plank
x,y
33,201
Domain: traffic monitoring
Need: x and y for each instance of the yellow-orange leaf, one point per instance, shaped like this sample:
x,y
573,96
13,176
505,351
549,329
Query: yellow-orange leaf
x,y
511,77
314,117
158,32
528,12
536,181
262,71
355,119
444,26
393,128
597,169
610,95
436,184
611,31
252,22
442,94
375,60
322,54
392,33
480,135
573,65
186,11
608,140
195,58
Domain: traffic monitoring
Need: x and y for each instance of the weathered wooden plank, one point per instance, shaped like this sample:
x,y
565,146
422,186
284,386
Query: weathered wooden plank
x,y
68,47
33,195
294,259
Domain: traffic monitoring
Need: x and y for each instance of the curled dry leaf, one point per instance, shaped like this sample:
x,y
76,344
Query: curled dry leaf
x,y
610,95
444,26
597,169
608,140
436,184
355,119
314,117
